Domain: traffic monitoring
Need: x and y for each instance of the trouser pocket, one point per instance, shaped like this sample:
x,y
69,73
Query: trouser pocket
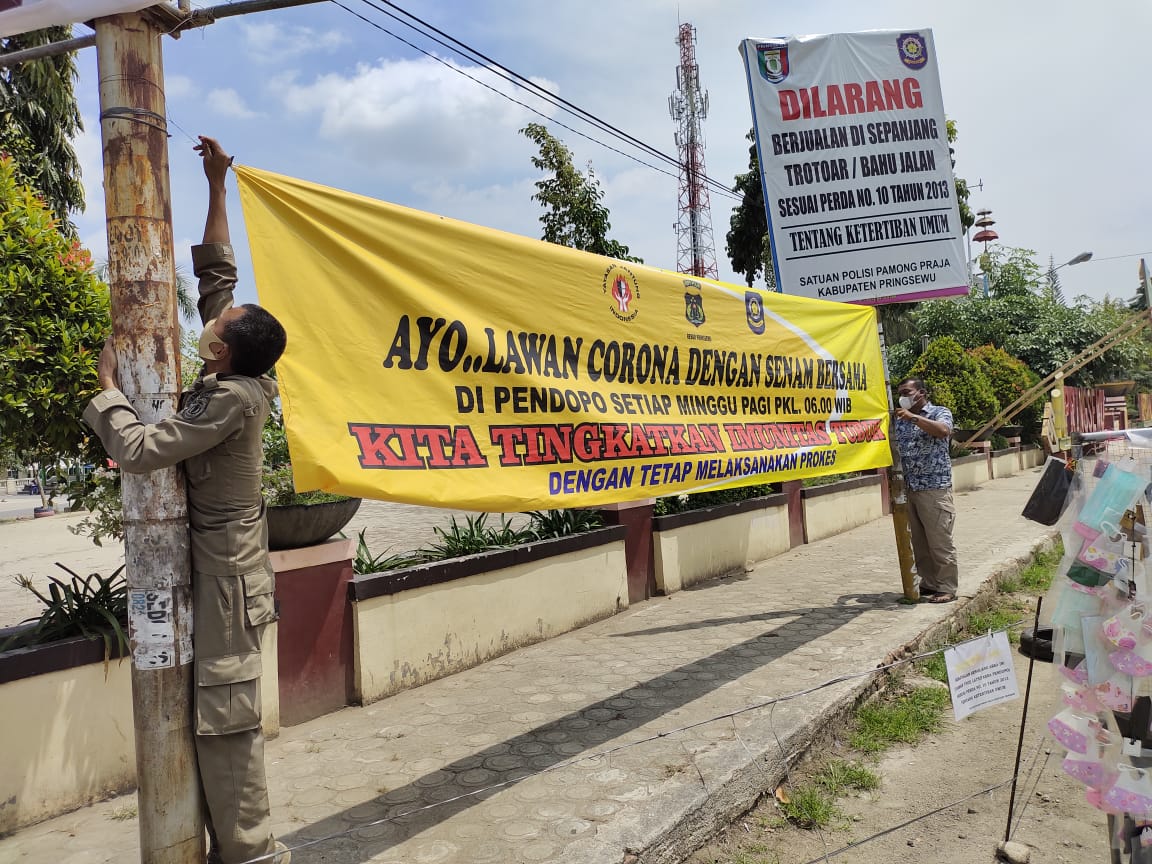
x,y
228,694
259,605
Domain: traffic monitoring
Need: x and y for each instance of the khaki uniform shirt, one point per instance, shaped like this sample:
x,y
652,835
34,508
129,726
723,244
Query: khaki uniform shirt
x,y
216,435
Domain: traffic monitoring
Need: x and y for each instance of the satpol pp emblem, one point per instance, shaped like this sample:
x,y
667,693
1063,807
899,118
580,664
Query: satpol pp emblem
x,y
772,60
754,308
195,404
913,50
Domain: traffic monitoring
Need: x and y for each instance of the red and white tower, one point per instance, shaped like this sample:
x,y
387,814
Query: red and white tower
x,y
695,251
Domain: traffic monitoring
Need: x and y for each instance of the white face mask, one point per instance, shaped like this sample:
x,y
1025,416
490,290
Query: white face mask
x,y
906,402
207,339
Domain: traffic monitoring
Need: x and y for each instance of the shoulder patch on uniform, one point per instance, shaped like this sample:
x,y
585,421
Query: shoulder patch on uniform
x,y
195,404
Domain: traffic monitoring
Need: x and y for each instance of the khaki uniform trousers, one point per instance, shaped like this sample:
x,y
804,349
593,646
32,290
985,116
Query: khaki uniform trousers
x,y
229,615
931,515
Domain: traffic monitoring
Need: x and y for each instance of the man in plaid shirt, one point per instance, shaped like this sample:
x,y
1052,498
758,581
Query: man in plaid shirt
x,y
922,432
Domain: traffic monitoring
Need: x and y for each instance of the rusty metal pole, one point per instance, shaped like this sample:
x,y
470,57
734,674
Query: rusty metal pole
x,y
897,496
146,333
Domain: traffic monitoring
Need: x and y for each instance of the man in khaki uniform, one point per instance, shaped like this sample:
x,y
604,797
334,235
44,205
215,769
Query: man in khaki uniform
x,y
216,436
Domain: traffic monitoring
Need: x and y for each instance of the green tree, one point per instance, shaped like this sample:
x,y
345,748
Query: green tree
x,y
573,213
39,118
1010,379
1012,271
1023,317
966,217
748,244
53,322
956,381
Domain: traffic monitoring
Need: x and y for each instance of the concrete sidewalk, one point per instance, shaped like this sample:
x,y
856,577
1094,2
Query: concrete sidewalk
x,y
450,772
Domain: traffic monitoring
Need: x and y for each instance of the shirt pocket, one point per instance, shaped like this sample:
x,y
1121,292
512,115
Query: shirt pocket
x,y
259,600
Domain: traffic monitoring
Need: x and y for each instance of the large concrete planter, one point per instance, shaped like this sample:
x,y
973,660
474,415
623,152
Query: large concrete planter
x,y
66,727
1004,463
710,542
841,506
425,622
65,730
968,472
1031,456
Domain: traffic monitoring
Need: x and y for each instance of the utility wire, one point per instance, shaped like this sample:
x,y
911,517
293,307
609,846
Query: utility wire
x,y
471,53
536,90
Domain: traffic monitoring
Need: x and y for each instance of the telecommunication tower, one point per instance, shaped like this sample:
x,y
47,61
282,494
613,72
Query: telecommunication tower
x,y
688,105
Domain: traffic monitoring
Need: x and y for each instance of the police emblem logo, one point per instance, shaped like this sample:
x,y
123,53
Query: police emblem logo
x,y
620,284
694,308
195,404
754,307
913,50
772,59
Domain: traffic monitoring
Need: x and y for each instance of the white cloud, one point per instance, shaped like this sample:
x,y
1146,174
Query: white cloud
x,y
228,102
179,86
417,112
269,42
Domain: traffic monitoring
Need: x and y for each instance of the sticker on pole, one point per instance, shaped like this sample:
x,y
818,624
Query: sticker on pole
x,y
981,674
152,628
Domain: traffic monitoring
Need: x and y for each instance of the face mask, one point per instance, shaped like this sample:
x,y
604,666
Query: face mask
x,y
207,338
906,402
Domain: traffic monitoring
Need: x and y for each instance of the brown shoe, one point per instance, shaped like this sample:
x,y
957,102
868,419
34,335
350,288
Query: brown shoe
x,y
283,856
940,598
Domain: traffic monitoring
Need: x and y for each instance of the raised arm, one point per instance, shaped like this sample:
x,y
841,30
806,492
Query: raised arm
x,y
213,262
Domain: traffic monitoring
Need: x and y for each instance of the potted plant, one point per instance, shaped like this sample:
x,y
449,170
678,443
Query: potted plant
x,y
297,519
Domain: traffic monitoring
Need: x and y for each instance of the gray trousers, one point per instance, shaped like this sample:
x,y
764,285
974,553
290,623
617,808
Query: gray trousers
x,y
229,615
931,515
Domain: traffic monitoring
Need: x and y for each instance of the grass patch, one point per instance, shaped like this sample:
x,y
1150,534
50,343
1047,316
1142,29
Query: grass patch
x,y
902,720
934,667
840,776
810,807
1003,616
123,814
1036,578
1009,585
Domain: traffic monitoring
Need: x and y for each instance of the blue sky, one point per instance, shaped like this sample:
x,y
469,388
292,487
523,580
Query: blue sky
x,y
1048,97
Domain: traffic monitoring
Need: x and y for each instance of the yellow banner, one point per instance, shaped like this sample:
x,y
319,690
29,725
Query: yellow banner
x,y
437,362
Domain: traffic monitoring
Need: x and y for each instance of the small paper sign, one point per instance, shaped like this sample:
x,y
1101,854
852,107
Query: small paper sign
x,y
151,628
981,674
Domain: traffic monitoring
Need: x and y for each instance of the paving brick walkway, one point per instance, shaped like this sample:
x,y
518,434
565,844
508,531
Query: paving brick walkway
x,y
450,772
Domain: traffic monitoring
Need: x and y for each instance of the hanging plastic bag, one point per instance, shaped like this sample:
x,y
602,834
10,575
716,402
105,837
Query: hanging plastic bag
x,y
1050,496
